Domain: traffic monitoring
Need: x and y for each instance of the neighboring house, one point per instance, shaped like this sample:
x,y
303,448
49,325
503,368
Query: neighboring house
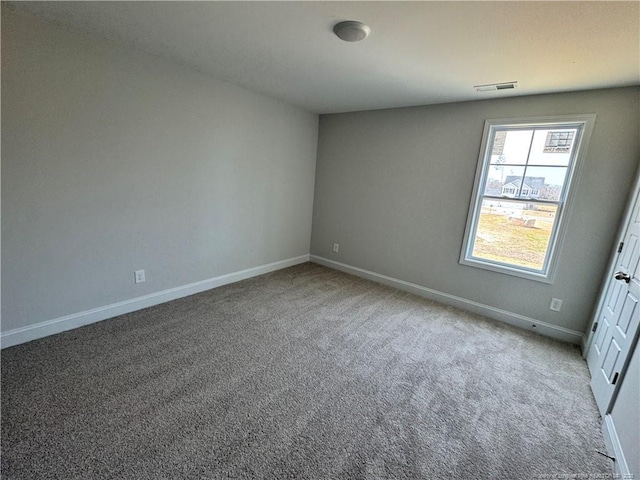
x,y
530,188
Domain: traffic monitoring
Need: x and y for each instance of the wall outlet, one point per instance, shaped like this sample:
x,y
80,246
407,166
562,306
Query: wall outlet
x,y
139,276
556,304
336,247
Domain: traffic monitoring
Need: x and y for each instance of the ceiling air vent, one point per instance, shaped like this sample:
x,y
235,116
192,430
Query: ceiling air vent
x,y
490,87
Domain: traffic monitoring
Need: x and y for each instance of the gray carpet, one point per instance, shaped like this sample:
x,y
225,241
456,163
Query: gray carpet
x,y
302,373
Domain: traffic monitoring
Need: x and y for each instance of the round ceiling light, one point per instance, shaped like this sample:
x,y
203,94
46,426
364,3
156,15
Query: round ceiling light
x,y
351,31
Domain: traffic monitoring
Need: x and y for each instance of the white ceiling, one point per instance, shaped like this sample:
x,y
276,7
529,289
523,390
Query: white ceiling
x,y
418,52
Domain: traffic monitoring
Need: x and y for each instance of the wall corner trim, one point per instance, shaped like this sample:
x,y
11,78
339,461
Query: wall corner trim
x,y
614,448
515,319
75,320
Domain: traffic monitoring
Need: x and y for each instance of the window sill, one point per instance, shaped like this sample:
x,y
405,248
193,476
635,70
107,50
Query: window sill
x,y
508,270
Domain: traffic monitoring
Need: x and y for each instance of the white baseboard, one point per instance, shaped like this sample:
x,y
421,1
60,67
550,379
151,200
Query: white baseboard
x,y
505,316
69,322
614,448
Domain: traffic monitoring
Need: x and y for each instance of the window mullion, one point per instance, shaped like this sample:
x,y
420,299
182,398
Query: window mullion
x,y
526,163
519,200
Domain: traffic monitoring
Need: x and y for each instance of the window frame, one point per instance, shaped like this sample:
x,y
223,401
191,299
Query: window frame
x,y
585,124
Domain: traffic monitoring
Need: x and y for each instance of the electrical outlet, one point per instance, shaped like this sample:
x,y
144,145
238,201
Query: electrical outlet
x,y
556,304
336,247
139,276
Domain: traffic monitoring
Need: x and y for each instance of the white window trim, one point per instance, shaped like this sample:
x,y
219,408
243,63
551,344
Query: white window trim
x,y
582,139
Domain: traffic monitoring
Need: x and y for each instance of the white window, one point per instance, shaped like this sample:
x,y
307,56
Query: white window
x,y
522,193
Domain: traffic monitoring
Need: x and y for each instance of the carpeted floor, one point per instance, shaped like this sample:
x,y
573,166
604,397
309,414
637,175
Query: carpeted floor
x,y
302,373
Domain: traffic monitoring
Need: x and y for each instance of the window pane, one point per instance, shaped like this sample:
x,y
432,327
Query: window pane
x,y
511,146
552,146
516,233
543,183
503,181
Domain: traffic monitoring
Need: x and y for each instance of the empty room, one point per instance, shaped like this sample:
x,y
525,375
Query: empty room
x,y
320,240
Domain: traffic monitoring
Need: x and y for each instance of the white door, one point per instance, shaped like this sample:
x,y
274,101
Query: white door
x,y
618,318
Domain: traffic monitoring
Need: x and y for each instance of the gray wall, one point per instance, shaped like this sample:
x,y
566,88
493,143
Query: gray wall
x,y
626,415
393,189
114,160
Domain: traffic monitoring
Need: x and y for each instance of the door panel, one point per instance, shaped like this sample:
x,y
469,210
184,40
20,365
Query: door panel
x,y
610,359
629,252
615,299
628,312
602,334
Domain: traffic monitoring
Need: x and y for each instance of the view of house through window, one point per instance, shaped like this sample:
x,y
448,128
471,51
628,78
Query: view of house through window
x,y
520,194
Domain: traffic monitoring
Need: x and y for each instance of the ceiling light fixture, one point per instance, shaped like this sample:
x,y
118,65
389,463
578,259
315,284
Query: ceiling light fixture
x,y
351,31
